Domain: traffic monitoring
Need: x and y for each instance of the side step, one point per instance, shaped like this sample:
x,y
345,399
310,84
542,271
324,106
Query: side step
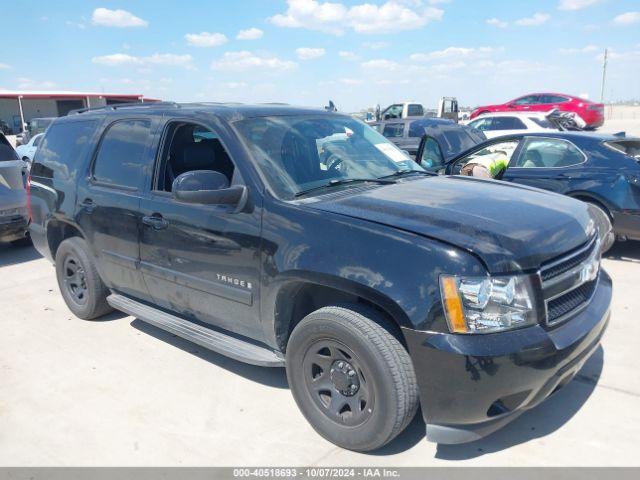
x,y
205,337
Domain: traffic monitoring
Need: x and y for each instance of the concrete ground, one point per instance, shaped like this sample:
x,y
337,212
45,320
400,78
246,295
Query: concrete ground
x,y
120,392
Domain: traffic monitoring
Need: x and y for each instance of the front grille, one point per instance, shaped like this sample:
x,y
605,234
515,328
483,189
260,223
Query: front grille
x,y
567,303
567,262
569,282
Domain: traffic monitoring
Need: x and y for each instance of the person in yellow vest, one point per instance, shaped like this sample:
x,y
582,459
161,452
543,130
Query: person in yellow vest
x,y
486,166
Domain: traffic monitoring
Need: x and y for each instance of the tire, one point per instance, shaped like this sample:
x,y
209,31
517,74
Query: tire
x,y
80,284
351,377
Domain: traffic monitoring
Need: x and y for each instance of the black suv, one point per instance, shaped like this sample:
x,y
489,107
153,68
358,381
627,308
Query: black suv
x,y
304,239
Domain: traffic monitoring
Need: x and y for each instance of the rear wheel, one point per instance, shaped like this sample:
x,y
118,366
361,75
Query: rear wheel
x,y
351,377
80,284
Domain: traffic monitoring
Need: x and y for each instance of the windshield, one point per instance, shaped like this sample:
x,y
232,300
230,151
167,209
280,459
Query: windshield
x,y
302,152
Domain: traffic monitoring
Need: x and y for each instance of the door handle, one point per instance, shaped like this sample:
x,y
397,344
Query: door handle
x,y
155,221
88,205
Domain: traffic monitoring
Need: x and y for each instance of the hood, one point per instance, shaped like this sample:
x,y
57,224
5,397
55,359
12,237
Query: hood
x,y
510,227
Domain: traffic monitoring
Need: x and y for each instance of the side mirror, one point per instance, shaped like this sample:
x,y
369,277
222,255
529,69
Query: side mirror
x,y
208,187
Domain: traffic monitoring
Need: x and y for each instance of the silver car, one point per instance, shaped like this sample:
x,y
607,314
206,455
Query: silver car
x,y
14,219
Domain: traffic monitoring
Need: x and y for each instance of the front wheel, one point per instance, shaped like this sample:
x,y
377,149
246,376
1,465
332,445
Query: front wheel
x,y
351,377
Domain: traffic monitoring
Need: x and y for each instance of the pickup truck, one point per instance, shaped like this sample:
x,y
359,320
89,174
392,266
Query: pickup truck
x,y
299,238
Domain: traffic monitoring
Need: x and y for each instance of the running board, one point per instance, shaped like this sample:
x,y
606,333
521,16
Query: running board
x,y
203,336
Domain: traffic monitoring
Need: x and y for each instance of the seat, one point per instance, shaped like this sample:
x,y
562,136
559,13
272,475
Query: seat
x,y
532,159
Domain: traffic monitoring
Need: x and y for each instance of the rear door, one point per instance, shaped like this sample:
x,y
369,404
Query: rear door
x,y
547,163
108,202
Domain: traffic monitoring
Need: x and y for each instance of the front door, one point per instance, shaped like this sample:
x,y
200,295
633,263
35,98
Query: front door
x,y
201,261
547,163
108,203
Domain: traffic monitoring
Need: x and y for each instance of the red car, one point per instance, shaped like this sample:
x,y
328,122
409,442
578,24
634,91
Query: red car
x,y
591,113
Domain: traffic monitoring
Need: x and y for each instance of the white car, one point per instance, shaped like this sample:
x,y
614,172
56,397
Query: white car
x,y
28,150
509,123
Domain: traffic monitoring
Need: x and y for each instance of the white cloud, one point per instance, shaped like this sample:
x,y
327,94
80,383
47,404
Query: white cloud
x,y
250,34
535,20
380,64
390,17
116,18
571,51
496,22
628,18
79,25
235,85
4,66
206,39
575,4
350,81
346,55
455,52
309,53
375,45
160,59
30,84
244,60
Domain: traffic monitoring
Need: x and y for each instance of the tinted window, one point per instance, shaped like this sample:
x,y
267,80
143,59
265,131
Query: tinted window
x,y
552,99
431,155
507,123
64,144
37,140
528,100
120,158
414,110
549,153
481,124
393,130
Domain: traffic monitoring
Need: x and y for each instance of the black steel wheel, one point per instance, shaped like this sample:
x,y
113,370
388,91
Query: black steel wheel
x,y
80,284
351,376
336,380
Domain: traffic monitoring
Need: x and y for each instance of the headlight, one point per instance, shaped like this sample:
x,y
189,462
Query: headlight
x,y
488,304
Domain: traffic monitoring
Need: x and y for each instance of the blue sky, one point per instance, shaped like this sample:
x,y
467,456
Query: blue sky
x,y
356,52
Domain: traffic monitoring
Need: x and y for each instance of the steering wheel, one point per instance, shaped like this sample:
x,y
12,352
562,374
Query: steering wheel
x,y
335,164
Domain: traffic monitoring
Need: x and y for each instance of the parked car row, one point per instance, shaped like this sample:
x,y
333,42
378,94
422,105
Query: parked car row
x,y
305,239
13,199
591,114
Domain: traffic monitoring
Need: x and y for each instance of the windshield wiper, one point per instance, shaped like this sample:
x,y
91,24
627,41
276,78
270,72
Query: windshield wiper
x,y
408,171
343,181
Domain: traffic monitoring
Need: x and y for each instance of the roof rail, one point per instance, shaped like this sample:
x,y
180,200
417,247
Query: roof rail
x,y
118,106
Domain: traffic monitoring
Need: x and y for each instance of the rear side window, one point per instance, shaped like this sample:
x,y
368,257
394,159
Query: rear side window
x,y
61,148
414,110
120,159
628,147
507,123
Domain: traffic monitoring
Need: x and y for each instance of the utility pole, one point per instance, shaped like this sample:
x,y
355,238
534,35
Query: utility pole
x,y
604,74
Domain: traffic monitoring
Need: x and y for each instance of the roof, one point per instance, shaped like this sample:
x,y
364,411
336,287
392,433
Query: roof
x,y
530,113
69,94
227,111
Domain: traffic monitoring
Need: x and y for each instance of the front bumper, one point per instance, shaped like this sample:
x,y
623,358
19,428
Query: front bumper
x,y
627,224
13,228
472,385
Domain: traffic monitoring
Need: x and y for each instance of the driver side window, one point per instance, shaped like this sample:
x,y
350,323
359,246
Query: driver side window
x,y
432,157
528,100
489,159
189,147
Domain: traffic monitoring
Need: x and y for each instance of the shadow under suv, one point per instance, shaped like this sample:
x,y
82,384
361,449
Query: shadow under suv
x,y
290,237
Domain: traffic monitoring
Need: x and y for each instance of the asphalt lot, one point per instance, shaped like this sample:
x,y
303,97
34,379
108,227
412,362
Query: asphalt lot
x,y
120,392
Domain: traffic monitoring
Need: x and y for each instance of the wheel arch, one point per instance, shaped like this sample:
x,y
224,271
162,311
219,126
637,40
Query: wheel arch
x,y
297,298
58,231
589,197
